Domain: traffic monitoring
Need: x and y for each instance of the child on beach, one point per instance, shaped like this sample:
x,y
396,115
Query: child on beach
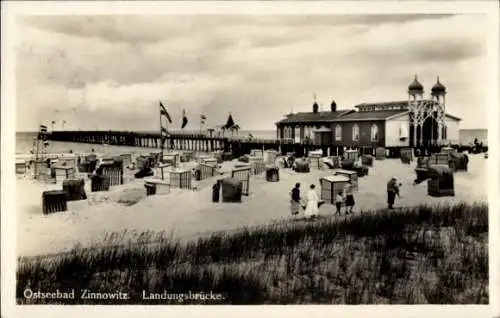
x,y
349,202
339,199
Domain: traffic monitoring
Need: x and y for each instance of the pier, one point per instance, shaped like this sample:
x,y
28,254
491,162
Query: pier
x,y
187,142
203,143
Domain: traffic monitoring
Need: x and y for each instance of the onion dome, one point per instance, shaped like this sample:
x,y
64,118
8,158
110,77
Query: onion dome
x,y
315,107
438,88
415,86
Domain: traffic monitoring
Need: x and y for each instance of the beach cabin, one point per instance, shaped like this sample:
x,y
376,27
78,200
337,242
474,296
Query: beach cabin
x,y
74,189
54,201
257,164
367,160
352,175
441,182
207,171
62,172
351,154
257,153
156,186
447,150
113,172
406,153
163,169
439,159
172,159
270,156
21,166
180,178
272,173
332,162
210,161
243,174
126,159
315,159
331,185
380,153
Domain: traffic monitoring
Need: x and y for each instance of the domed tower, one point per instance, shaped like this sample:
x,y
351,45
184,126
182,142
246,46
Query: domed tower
x,y
415,89
438,94
415,101
438,91
315,107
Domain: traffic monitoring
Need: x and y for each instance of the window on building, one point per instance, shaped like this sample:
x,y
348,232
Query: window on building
x,y
355,132
444,133
287,132
338,132
308,132
374,133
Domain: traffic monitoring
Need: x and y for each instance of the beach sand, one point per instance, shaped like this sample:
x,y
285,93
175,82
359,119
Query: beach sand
x,y
188,213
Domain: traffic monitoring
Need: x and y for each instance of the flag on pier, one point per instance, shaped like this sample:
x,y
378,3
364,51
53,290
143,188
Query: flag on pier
x,y
42,133
163,112
184,119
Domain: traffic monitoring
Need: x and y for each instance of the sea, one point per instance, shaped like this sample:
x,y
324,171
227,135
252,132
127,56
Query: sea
x,y
24,141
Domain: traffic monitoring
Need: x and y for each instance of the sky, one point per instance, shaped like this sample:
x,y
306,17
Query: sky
x,y
109,72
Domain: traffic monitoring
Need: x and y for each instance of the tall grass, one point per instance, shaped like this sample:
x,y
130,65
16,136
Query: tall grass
x,y
427,254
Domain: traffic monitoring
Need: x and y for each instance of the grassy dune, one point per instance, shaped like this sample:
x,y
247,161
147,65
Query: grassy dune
x,y
421,255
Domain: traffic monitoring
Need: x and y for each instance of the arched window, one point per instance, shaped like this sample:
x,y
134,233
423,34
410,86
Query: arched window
x,y
338,132
374,133
355,132
444,133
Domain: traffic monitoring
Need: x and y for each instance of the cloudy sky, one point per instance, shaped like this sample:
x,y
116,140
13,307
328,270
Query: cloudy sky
x,y
108,72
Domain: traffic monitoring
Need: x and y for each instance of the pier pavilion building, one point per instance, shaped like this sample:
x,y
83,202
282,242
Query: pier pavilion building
x,y
417,122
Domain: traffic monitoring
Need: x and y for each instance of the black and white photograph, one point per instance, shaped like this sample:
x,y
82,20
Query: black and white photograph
x,y
279,157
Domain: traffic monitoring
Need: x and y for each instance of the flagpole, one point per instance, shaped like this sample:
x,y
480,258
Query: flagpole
x,y
161,136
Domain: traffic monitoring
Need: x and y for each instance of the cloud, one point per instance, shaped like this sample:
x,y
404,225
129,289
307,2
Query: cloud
x,y
112,70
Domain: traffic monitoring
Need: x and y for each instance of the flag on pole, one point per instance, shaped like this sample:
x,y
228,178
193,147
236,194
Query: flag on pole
x,y
163,112
184,119
42,134
203,119
164,133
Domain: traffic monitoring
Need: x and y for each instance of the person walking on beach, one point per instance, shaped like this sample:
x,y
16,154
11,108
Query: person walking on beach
x,y
312,203
295,200
349,198
339,199
392,191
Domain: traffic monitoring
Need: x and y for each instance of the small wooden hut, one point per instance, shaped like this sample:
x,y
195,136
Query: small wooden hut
x,y
331,185
441,182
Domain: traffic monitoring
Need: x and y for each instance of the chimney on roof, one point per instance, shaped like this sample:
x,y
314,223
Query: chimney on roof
x,y
333,106
315,108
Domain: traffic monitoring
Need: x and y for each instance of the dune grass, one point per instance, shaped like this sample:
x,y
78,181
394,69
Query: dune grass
x,y
421,255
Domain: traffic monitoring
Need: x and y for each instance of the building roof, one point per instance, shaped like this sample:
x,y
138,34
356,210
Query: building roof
x,y
370,115
399,104
310,117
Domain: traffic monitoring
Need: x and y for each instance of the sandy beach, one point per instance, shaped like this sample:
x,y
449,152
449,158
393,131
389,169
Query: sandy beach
x,y
188,213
